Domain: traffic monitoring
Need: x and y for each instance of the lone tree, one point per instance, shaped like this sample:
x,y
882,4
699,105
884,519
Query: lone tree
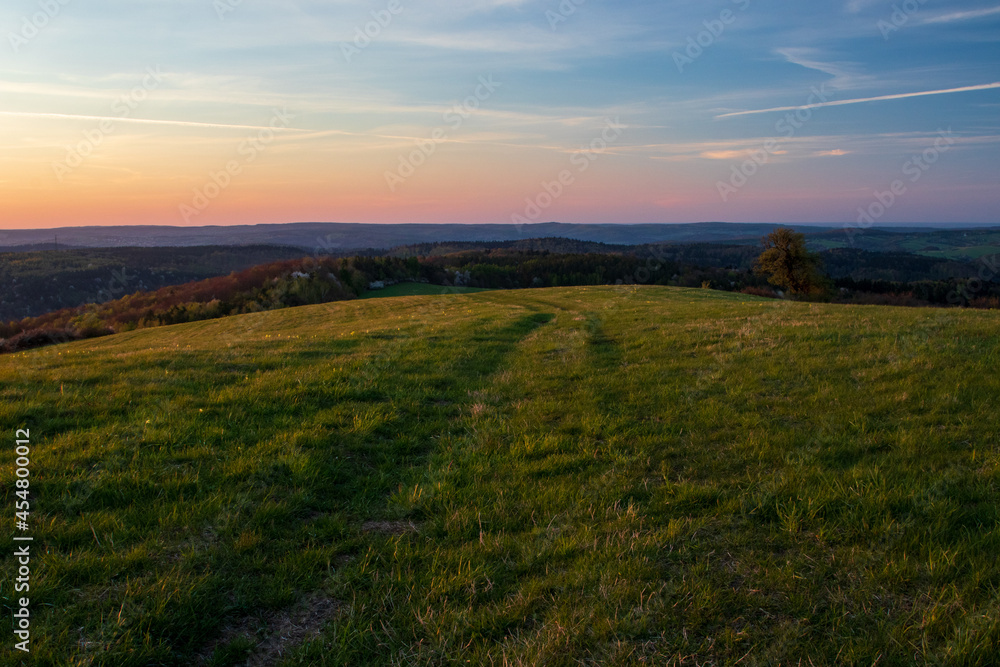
x,y
788,265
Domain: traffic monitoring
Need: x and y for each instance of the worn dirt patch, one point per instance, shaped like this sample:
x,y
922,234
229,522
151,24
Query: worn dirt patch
x,y
277,633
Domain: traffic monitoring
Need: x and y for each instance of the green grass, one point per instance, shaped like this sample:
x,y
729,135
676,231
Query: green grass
x,y
966,253
964,246
563,476
418,289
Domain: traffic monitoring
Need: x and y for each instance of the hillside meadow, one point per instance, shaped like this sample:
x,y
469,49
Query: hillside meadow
x,y
566,476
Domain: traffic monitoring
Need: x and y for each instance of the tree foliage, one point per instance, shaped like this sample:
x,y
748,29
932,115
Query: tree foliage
x,y
789,265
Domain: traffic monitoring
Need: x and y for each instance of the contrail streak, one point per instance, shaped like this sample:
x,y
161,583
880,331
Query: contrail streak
x,y
900,96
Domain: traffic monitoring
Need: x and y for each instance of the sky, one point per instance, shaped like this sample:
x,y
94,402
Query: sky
x,y
217,112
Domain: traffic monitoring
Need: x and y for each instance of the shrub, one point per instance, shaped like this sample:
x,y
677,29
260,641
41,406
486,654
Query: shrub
x,y
760,291
32,338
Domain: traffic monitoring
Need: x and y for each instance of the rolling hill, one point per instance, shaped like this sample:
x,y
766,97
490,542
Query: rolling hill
x,y
945,241
40,281
587,475
323,237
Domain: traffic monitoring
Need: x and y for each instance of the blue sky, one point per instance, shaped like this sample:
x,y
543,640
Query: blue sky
x,y
561,71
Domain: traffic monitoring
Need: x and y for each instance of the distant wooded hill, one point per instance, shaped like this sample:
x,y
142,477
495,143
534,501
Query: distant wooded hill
x,y
320,238
943,242
35,283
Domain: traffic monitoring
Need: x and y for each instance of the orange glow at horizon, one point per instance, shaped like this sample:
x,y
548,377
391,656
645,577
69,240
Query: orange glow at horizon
x,y
192,178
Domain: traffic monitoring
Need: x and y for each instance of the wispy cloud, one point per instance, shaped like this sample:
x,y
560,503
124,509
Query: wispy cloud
x,y
805,147
723,155
732,154
842,75
881,98
962,16
856,6
148,121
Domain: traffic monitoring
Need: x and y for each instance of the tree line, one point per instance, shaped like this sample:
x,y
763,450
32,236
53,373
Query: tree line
x,y
784,267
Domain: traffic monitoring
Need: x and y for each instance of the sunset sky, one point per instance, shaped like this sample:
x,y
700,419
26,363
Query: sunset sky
x,y
473,111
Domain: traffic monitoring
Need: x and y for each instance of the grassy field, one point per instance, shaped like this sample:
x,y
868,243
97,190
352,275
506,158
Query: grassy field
x,y
563,476
964,245
418,289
